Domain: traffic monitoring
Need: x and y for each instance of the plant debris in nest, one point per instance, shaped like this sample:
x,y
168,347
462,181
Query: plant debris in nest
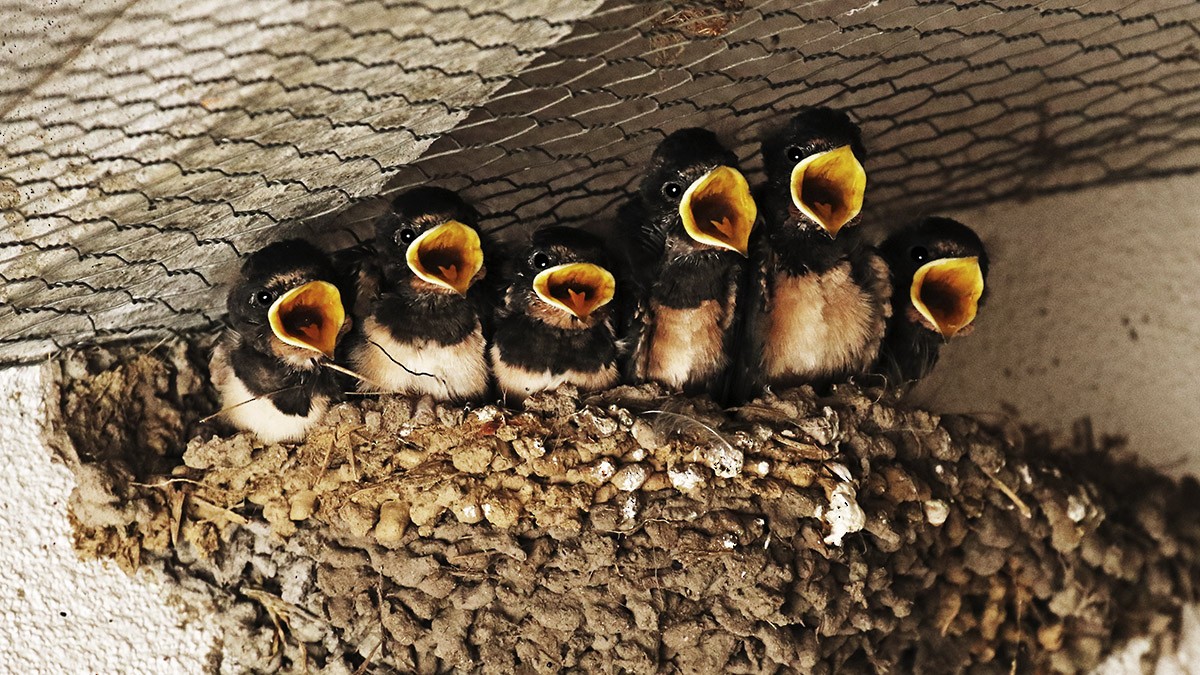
x,y
626,531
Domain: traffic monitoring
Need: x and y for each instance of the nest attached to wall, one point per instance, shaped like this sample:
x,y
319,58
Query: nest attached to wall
x,y
625,531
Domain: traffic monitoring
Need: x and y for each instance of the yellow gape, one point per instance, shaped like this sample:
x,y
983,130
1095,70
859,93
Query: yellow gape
x,y
449,255
309,317
828,187
718,210
576,288
946,292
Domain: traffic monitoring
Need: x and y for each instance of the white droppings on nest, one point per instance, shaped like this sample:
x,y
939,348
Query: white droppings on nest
x,y
630,477
638,454
936,512
604,469
1026,476
841,471
629,506
487,413
761,467
939,469
686,477
729,541
468,512
1076,508
725,460
844,515
624,417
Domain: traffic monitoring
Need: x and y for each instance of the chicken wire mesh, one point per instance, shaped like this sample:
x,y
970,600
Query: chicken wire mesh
x,y
147,144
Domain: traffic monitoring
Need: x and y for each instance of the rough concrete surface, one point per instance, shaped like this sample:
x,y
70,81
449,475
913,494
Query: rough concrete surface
x,y
59,614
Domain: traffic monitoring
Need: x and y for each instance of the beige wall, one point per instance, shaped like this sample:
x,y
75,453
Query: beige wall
x,y
1094,311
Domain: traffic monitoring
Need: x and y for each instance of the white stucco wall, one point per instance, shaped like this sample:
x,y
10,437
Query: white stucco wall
x,y
58,614
1094,311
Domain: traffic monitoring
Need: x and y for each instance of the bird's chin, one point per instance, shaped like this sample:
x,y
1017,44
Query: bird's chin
x,y
423,288
686,247
965,330
557,318
799,223
918,319
430,289
295,357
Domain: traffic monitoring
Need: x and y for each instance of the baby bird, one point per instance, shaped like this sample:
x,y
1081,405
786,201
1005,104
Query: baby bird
x,y
557,323
939,267
285,314
819,300
690,223
421,305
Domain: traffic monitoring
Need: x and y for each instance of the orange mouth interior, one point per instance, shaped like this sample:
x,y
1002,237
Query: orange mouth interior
x,y
946,292
828,187
719,210
576,288
309,316
449,255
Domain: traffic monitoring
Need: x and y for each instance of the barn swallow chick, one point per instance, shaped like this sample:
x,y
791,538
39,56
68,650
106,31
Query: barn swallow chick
x,y
939,267
285,315
690,224
557,323
819,300
422,309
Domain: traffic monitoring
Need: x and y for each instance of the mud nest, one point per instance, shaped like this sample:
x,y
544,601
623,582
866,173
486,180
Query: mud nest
x,y
626,531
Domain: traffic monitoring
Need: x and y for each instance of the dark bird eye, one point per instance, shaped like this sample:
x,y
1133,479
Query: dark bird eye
x,y
919,253
406,235
672,189
540,261
794,153
264,298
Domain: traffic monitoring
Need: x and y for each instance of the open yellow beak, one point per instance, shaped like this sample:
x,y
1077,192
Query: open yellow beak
x,y
828,187
718,210
309,317
576,288
946,292
448,255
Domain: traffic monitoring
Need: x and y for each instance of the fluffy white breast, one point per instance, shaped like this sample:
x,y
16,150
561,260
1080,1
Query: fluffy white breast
x,y
517,383
446,372
686,345
819,326
259,415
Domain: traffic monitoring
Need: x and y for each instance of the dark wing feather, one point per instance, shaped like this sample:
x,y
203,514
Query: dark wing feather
x,y
646,241
747,379
487,294
908,352
352,266
870,272
724,389
641,256
634,332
